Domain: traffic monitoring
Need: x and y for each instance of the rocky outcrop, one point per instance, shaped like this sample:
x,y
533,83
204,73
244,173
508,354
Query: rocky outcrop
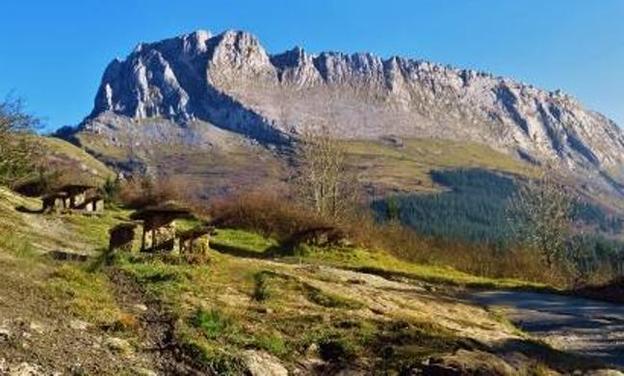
x,y
229,80
260,363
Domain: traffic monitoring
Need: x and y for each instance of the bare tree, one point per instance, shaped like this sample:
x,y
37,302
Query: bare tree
x,y
17,150
322,180
541,213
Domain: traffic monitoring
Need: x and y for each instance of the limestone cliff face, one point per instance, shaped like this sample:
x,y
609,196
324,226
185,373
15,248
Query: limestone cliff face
x,y
229,80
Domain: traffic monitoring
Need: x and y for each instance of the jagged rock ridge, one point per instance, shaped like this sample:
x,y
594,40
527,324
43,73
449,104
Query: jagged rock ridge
x,y
230,81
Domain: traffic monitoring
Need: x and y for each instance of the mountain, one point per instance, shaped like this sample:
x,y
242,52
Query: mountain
x,y
196,89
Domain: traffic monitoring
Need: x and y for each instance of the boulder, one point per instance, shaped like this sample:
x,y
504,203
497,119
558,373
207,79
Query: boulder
x,y
25,369
465,362
260,363
118,345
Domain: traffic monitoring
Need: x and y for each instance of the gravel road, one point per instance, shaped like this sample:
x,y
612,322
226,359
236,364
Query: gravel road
x,y
573,324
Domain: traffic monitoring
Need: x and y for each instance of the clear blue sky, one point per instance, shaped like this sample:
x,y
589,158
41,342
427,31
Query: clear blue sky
x,y
52,53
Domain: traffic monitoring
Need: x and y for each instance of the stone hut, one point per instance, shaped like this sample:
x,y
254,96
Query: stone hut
x,y
74,197
78,194
196,240
54,202
158,225
122,237
93,204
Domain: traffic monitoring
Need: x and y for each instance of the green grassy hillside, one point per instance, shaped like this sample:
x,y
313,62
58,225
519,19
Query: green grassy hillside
x,y
406,166
64,155
329,310
228,159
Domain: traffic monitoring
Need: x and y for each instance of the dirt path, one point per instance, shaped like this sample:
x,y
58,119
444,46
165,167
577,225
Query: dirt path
x,y
156,328
583,326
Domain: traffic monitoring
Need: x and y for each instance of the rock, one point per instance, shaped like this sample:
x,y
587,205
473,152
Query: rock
x,y
602,372
260,363
37,327
118,345
5,334
230,80
79,325
77,370
312,350
140,307
25,369
264,310
466,362
351,372
143,372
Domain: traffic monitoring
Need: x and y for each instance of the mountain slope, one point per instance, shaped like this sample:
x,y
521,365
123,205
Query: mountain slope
x,y
141,314
230,82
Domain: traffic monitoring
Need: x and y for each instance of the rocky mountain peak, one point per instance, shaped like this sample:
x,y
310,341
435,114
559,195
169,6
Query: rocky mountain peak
x,y
231,81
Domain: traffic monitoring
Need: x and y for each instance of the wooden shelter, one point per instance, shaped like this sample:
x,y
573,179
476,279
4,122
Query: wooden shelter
x,y
158,228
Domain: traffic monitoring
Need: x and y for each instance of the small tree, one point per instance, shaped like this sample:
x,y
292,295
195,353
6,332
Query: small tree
x,y
17,150
322,180
541,216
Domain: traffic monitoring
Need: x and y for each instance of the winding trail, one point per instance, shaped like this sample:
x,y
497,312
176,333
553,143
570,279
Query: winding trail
x,y
583,326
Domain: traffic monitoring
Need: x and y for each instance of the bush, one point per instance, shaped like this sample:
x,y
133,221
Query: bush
x,y
141,191
336,349
19,153
275,215
267,213
213,323
261,288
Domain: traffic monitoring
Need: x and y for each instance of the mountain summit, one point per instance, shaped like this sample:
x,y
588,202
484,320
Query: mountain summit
x,y
231,82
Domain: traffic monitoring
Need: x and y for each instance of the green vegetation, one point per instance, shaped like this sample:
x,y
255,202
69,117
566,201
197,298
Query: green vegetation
x,y
243,240
221,315
325,303
213,324
261,288
291,307
475,210
474,207
374,262
328,299
406,166
19,153
85,294
67,156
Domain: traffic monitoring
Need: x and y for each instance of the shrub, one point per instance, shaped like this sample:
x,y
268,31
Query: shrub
x,y
213,323
270,214
140,191
272,343
329,300
336,349
261,288
19,153
275,215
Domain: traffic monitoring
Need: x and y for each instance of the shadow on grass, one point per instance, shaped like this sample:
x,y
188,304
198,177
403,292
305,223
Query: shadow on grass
x,y
561,361
23,209
104,258
449,281
67,256
240,251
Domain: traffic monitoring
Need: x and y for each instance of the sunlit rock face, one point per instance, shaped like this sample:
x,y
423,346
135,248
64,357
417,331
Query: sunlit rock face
x,y
230,81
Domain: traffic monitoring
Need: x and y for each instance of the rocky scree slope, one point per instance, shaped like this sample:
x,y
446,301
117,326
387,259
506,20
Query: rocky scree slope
x,y
231,82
